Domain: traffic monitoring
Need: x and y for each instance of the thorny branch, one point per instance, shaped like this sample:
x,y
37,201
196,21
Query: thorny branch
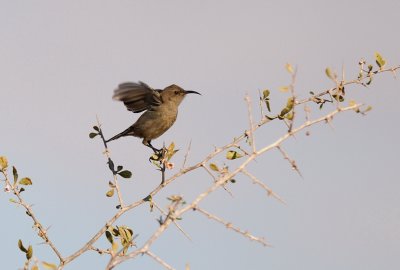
x,y
42,232
230,226
177,210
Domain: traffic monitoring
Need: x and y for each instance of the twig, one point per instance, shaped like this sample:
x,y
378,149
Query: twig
x,y
107,154
291,161
174,221
251,129
42,232
270,192
159,260
229,226
187,154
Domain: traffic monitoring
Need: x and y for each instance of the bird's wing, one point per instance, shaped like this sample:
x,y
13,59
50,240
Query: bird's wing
x,y
137,97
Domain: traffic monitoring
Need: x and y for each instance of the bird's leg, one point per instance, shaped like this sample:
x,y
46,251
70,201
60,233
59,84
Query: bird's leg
x,y
148,144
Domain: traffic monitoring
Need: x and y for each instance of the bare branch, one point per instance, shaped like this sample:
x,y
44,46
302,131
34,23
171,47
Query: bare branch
x,y
159,260
270,192
229,226
42,232
291,161
250,131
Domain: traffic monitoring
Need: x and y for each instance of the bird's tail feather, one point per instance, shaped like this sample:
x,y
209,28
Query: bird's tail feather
x,y
119,135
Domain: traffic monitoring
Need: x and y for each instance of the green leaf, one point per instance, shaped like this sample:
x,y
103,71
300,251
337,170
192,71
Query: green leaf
x,y
111,165
119,168
111,184
233,181
328,73
266,93
50,266
289,68
339,98
3,163
149,198
109,237
92,135
379,60
110,193
370,67
312,93
21,246
26,181
15,174
29,252
214,167
233,155
125,174
96,128
271,117
284,89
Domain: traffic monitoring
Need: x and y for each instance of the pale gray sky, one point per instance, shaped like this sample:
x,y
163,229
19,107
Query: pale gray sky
x,y
61,60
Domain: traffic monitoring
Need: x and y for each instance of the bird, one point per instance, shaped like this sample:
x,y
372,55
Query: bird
x,y
160,109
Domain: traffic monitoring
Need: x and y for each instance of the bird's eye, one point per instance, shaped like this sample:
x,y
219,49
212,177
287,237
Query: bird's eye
x,y
176,92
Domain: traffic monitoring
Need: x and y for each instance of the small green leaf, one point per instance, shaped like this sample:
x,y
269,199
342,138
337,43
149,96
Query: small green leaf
x,y
149,198
266,93
29,252
96,128
110,193
233,155
111,184
21,246
15,174
114,247
379,60
289,116
328,73
119,168
125,174
3,163
214,167
92,135
26,181
109,237
312,93
111,165
289,68
268,105
233,181
370,67
284,89
50,266
339,98
271,117
368,109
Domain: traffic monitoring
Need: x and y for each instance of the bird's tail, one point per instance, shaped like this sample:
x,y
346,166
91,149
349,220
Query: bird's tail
x,y
119,135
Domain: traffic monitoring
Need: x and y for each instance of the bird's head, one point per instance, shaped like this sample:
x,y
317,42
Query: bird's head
x,y
176,94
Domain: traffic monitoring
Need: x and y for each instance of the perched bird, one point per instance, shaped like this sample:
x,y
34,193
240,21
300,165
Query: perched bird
x,y
160,106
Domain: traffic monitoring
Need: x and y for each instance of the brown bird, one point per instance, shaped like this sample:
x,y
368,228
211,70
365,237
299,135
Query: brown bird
x,y
160,106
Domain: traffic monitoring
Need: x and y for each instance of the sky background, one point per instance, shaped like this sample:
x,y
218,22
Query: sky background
x,y
61,60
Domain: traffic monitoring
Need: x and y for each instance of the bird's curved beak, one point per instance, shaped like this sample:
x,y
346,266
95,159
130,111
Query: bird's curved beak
x,y
191,92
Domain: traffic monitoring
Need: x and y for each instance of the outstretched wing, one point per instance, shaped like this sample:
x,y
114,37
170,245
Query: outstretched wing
x,y
137,97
